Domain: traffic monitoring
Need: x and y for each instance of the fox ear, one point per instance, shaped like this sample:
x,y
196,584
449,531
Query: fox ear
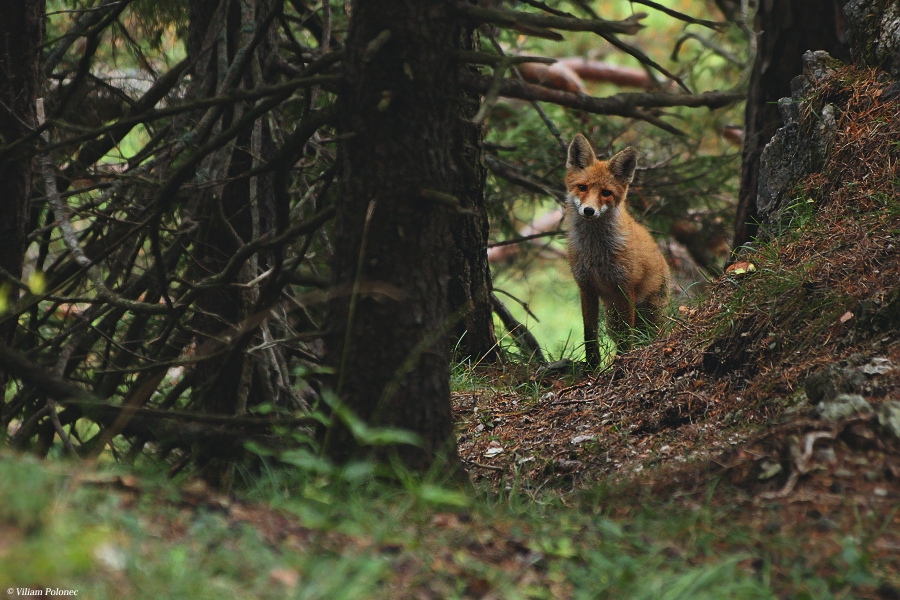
x,y
623,165
581,155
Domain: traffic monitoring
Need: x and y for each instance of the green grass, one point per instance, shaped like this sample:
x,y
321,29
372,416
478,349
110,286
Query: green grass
x,y
550,293
64,526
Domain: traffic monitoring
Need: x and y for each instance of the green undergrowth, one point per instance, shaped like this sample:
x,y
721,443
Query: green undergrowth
x,y
776,302
290,534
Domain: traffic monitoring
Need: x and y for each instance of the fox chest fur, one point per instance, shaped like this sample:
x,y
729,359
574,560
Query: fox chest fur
x,y
595,252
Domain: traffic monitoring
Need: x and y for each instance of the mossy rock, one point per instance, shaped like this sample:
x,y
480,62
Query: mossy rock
x,y
874,33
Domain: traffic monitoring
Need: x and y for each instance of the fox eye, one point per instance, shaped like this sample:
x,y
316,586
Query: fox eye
x,y
581,187
606,193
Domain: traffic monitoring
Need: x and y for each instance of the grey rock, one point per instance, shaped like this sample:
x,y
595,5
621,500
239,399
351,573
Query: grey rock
x,y
818,65
874,33
801,146
877,366
826,524
580,439
769,469
889,417
831,381
826,455
568,465
843,406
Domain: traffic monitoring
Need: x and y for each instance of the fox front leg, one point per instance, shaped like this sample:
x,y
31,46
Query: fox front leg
x,y
590,313
620,317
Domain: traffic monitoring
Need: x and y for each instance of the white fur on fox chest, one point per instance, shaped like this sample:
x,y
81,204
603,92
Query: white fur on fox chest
x,y
599,243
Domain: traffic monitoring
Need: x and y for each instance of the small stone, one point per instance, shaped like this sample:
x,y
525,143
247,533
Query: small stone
x,y
832,381
111,556
826,455
889,417
877,366
843,406
568,465
826,524
580,439
769,468
880,491
493,451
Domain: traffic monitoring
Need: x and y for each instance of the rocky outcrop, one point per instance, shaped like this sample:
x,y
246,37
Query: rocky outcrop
x,y
801,146
874,33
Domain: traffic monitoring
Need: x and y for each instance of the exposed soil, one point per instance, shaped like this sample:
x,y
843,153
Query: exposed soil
x,y
718,403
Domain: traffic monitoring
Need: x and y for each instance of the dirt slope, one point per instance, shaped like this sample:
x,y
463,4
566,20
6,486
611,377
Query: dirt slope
x,y
730,398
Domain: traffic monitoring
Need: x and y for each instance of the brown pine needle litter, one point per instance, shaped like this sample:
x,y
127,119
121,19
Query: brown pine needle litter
x,y
717,402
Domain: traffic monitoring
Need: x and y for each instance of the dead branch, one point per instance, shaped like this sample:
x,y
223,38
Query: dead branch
x,y
623,105
557,76
714,25
511,18
595,70
524,339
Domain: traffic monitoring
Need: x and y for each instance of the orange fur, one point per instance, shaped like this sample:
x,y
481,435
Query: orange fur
x,y
613,257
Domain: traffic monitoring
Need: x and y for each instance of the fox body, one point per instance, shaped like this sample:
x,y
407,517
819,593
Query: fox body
x,y
612,256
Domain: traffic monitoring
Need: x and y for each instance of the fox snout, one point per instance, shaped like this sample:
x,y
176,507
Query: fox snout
x,y
589,205
589,212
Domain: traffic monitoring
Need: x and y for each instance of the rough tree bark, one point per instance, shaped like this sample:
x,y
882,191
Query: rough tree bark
x,y
786,29
214,243
224,212
470,283
403,172
21,33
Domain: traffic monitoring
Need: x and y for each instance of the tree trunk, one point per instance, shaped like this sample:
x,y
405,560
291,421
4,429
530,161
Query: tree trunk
x,y
403,172
21,28
215,243
470,282
786,29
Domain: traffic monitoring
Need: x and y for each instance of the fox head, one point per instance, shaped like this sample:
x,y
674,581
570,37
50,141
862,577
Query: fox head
x,y
597,187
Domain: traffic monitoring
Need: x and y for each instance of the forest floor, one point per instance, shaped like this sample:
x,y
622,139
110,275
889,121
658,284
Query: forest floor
x,y
752,451
775,400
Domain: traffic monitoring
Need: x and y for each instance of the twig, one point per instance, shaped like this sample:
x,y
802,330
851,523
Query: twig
x,y
715,25
524,338
624,105
551,126
82,10
526,238
520,302
548,9
484,466
51,409
513,175
707,43
71,238
508,18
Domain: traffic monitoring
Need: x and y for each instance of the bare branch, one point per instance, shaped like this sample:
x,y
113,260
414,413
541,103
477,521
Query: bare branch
x,y
512,18
715,25
624,105
524,338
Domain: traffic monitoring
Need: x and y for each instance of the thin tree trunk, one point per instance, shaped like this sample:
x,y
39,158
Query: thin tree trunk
x,y
470,283
21,33
403,174
786,29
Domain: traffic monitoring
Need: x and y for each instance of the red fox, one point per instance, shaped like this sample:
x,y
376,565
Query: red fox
x,y
612,256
